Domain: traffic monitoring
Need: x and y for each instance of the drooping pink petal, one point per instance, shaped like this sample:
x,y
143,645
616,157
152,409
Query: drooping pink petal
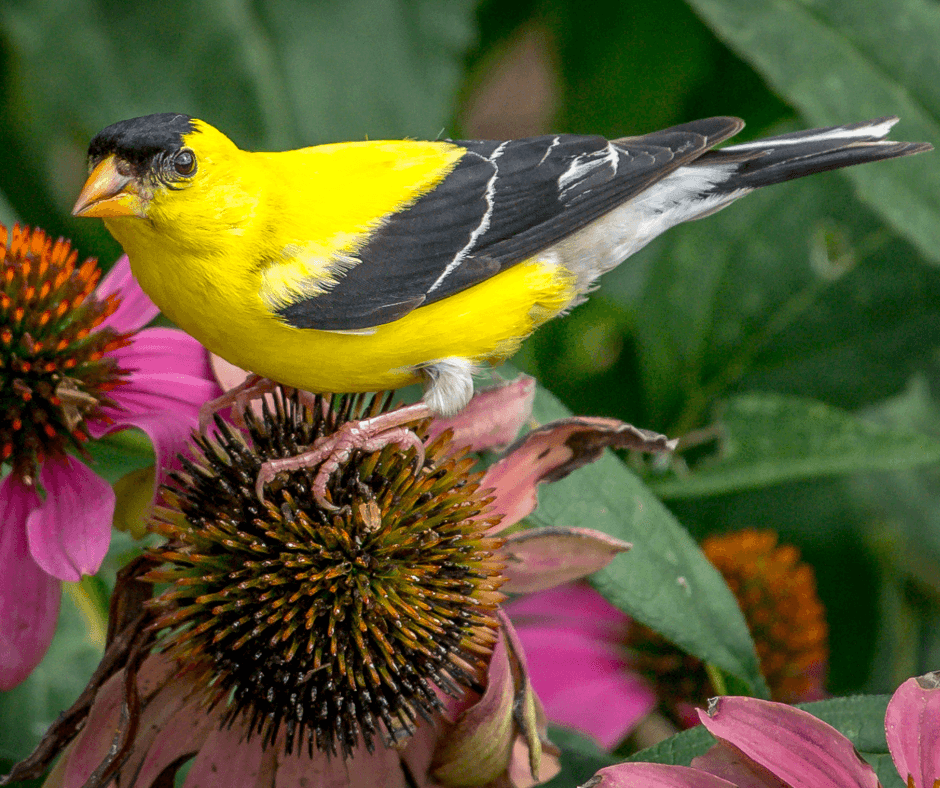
x,y
174,724
170,372
792,744
551,452
653,775
540,558
493,418
136,308
584,682
29,598
481,745
70,531
575,608
94,740
912,727
226,760
380,769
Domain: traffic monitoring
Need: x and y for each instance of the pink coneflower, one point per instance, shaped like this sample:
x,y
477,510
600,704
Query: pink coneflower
x,y
74,366
763,744
364,645
621,670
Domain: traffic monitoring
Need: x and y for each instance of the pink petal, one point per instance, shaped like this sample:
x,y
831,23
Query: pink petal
x,y
70,531
653,775
912,726
381,769
172,378
174,724
551,452
494,416
169,372
226,759
136,309
91,746
29,598
540,558
792,744
575,607
584,683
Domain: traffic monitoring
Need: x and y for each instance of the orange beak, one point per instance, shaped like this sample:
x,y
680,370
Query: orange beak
x,y
107,193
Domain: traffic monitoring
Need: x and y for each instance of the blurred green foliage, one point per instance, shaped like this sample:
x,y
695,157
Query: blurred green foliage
x,y
784,327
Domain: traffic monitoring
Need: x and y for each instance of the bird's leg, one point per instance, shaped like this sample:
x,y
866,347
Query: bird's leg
x,y
331,451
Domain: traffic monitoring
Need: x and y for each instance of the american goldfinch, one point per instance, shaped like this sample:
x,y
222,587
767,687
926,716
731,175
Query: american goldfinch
x,y
363,266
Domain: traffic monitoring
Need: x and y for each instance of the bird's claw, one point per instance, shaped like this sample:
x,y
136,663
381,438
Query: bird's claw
x,y
330,452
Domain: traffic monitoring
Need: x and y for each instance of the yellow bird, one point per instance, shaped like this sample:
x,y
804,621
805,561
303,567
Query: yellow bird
x,y
363,266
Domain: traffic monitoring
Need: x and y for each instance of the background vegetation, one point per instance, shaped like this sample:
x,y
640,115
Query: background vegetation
x,y
803,323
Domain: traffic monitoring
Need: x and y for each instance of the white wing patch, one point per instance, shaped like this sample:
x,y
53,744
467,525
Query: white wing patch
x,y
584,165
490,196
555,140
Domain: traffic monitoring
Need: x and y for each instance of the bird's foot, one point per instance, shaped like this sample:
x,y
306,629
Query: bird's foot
x,y
331,451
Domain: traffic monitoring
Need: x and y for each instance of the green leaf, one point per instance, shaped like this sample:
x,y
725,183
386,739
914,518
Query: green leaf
x,y
664,581
860,719
678,750
771,438
580,758
839,62
904,530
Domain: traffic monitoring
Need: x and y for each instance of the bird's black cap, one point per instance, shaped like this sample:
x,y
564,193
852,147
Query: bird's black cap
x,y
139,140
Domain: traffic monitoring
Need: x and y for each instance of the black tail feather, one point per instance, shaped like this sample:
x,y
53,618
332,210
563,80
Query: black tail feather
x,y
782,158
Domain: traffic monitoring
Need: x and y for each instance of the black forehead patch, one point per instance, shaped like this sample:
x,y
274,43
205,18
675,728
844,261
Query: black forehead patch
x,y
139,140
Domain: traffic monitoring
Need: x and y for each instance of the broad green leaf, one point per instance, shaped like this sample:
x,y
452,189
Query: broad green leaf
x,y
860,719
369,68
664,581
580,758
839,62
903,526
770,438
678,750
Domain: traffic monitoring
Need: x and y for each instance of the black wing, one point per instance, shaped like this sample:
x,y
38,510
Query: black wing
x,y
502,203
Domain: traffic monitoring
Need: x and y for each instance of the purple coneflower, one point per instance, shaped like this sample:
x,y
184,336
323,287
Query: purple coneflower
x,y
366,646
74,366
763,744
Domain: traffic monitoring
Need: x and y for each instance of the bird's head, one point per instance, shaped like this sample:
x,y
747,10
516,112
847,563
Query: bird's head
x,y
152,167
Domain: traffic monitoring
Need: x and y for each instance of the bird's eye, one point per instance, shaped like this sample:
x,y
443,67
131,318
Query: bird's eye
x,y
184,162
